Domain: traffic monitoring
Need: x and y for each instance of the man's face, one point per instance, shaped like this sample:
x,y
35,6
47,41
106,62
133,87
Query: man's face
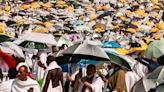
x,y
22,75
90,73
54,49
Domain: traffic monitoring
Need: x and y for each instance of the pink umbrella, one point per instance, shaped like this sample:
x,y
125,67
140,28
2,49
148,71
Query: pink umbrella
x,y
8,59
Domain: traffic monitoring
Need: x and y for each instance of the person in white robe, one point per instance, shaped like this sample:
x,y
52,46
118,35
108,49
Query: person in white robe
x,y
92,82
53,77
12,75
24,83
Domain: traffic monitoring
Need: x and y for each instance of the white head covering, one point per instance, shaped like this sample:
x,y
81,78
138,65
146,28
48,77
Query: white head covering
x,y
22,64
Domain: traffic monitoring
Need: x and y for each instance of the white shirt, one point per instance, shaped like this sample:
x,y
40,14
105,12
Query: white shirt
x,y
5,86
97,84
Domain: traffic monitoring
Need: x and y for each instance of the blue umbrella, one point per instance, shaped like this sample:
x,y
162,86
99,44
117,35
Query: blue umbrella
x,y
78,22
111,44
85,61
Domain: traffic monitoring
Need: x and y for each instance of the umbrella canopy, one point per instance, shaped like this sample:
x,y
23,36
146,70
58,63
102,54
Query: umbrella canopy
x,y
40,38
143,85
86,51
7,50
111,44
18,51
62,40
160,88
155,49
4,38
84,61
9,60
116,59
33,45
82,28
157,73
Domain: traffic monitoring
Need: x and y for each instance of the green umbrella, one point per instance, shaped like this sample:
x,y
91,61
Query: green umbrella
x,y
4,38
116,59
155,49
33,45
157,73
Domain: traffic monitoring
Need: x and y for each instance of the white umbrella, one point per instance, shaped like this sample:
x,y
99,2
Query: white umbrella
x,y
62,40
13,47
40,38
7,50
83,28
94,42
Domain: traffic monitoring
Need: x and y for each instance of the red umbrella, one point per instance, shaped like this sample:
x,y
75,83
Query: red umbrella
x,y
8,59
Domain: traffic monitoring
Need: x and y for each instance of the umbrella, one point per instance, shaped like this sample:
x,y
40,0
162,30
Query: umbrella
x,y
18,51
155,49
157,73
98,25
40,38
116,59
62,40
33,45
84,61
160,88
7,50
9,60
95,42
86,51
82,28
4,37
143,85
111,44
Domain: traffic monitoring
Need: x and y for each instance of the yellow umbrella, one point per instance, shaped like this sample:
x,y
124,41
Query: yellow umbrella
x,y
147,23
98,25
122,51
123,18
158,16
154,1
148,40
40,29
143,47
154,29
155,7
48,5
131,30
92,17
134,4
48,24
19,21
7,8
129,13
2,29
135,23
140,12
35,5
70,8
61,3
115,26
8,35
25,6
139,29
160,26
99,30
122,1
105,7
2,11
156,37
